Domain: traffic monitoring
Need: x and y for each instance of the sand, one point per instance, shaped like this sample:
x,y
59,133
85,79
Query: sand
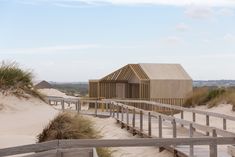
x,y
54,92
21,120
110,130
216,122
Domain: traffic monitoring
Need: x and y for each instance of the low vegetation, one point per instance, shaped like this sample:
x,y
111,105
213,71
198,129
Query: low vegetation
x,y
211,96
16,81
71,126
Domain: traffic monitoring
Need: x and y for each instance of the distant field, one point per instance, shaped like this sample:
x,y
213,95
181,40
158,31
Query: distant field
x,y
72,89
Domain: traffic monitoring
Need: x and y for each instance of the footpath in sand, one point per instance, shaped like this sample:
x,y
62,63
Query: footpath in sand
x,y
109,129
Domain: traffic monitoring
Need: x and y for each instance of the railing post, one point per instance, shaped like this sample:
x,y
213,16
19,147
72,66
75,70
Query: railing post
x,y
207,124
127,116
224,124
194,120
110,109
194,117
160,126
182,117
96,106
133,119
174,128
117,110
76,105
191,149
141,120
62,103
106,106
80,106
213,145
160,131
149,125
122,112
114,110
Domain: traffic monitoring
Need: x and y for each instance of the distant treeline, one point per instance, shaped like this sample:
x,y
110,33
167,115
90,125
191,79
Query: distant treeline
x,y
216,83
72,89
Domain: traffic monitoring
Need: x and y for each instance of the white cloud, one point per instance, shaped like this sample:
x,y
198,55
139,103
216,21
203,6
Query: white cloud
x,y
229,38
206,41
173,40
182,27
226,12
221,3
199,12
49,49
77,3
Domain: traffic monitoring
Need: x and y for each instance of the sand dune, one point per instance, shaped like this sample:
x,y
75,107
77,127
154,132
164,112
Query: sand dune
x,y
21,120
54,92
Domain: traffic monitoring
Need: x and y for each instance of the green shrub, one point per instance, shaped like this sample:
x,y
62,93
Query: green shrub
x,y
16,81
226,97
71,126
11,76
210,96
198,97
67,126
104,152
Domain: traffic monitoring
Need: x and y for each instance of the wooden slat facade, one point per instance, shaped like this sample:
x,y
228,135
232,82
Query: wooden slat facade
x,y
93,89
132,82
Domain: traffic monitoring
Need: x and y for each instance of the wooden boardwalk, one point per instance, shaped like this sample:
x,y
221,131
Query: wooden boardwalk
x,y
67,148
180,136
141,118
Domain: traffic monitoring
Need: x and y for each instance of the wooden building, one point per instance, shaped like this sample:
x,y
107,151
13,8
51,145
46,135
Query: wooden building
x,y
165,83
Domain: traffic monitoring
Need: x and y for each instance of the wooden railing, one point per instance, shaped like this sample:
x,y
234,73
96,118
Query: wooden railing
x,y
121,112
153,105
89,143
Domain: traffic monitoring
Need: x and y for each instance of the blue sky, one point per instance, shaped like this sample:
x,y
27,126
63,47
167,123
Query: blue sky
x,y
77,40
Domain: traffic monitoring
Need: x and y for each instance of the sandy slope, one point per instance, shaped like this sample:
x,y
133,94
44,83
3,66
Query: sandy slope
x,y
216,122
54,92
21,120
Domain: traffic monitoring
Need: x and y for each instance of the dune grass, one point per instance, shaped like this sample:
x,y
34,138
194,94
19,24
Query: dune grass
x,y
211,97
16,81
71,126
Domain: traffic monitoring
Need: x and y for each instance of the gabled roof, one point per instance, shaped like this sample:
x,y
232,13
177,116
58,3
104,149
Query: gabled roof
x,y
125,73
43,84
165,71
148,71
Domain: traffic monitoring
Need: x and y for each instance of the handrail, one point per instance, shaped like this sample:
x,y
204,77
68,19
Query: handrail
x,y
182,121
85,143
218,115
170,118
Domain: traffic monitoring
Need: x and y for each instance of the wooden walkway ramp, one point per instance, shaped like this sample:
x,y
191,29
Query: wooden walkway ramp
x,y
83,148
141,118
179,135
